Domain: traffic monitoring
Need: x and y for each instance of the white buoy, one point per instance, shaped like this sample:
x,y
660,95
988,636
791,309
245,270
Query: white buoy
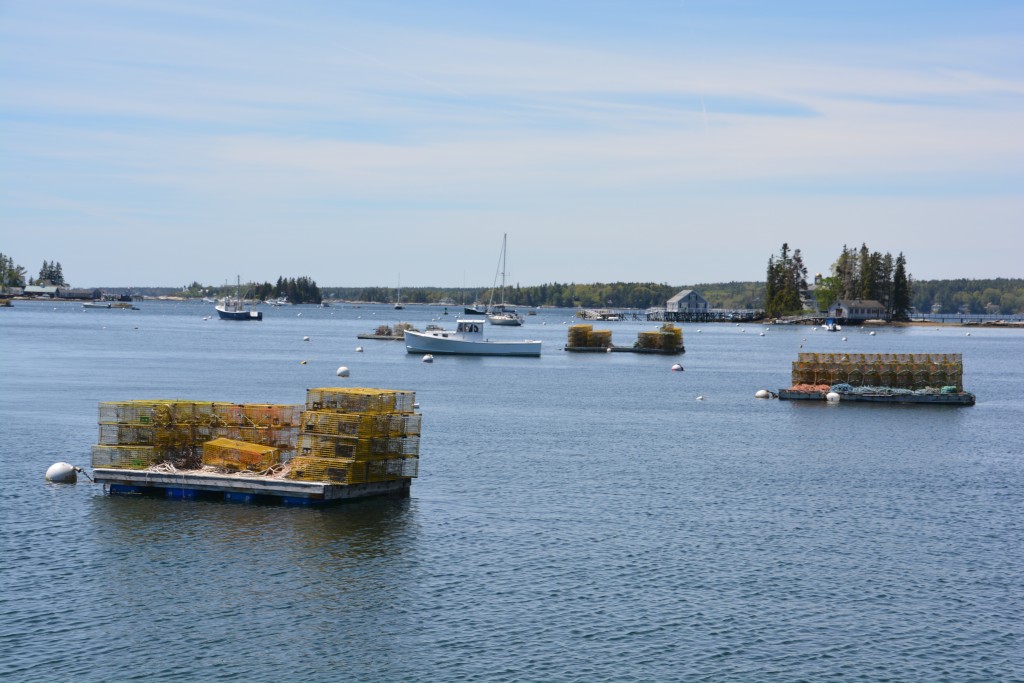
x,y
299,315
305,339
428,358
871,333
359,349
844,338
968,334
832,397
700,398
761,334
342,371
698,331
62,473
608,350
677,368
762,393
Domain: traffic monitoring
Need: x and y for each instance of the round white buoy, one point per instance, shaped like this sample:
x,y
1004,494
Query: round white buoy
x,y
698,331
832,397
359,349
305,339
608,350
761,335
844,338
871,333
762,393
677,368
62,473
428,358
342,371
700,398
968,334
298,315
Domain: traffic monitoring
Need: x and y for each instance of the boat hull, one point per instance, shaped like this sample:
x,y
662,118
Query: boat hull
x,y
508,321
418,342
239,315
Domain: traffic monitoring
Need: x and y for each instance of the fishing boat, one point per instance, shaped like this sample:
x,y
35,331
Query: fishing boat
x,y
233,308
501,314
96,304
467,339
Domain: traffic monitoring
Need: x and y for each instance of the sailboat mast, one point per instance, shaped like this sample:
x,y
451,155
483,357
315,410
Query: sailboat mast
x,y
504,244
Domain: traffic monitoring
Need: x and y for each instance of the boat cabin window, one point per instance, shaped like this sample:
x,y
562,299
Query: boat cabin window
x,y
469,327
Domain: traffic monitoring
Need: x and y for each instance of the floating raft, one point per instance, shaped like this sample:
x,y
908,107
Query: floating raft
x,y
622,349
387,333
668,341
935,379
236,488
343,444
963,398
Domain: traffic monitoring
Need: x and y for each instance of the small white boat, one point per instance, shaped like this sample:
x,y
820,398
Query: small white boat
x,y
501,314
505,316
467,339
96,304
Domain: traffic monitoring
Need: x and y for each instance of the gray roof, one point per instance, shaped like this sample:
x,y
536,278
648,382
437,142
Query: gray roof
x,y
683,294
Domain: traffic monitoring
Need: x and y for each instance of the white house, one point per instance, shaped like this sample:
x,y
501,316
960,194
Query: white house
x,y
687,301
857,310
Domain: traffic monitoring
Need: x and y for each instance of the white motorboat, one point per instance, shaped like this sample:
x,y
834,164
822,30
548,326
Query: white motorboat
x,y
467,339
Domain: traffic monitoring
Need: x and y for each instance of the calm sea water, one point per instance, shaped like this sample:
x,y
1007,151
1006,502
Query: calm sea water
x,y
577,517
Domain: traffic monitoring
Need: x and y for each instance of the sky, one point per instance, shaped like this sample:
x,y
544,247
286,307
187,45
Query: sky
x,y
160,142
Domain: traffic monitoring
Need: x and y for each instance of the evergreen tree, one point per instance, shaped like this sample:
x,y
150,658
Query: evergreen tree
x,y
900,307
786,278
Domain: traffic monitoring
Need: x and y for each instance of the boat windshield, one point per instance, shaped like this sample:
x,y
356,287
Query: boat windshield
x,y
469,326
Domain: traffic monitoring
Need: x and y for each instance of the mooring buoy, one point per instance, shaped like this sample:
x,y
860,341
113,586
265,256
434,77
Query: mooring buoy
x,y
342,371
62,473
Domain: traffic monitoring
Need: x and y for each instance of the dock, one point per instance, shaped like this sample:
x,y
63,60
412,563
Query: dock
x,y
236,488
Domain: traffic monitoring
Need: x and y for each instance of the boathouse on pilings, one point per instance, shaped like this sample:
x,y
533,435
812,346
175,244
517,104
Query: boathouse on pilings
x,y
687,301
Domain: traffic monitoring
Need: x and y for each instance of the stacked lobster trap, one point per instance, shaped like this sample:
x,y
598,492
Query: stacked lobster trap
x,y
897,370
345,435
357,436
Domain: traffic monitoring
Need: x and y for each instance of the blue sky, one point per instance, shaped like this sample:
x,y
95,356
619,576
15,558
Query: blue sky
x,y
160,142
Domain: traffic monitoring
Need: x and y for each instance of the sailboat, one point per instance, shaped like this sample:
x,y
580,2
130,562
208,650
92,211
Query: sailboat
x,y
234,308
398,303
502,314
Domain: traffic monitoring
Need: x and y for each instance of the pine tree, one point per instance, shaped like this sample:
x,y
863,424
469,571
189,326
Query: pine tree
x,y
901,296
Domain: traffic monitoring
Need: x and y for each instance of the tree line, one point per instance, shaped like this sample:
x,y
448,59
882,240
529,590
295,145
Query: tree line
x,y
300,290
